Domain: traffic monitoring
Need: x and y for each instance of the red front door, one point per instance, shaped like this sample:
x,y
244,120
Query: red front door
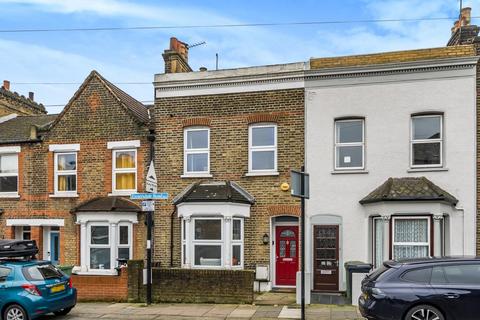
x,y
286,252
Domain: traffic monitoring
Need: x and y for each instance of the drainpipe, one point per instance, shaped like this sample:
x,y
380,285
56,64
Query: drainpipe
x,y
171,235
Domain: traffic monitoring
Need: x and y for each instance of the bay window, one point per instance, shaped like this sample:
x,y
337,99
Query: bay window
x,y
378,242
411,237
8,174
65,173
349,144
237,242
99,247
427,141
124,171
262,153
196,150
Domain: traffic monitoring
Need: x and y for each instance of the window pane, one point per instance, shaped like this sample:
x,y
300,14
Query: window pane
x,y
293,249
263,136
125,159
349,157
237,230
411,230
349,131
463,274
124,253
438,276
283,248
426,127
4,272
404,252
99,235
67,183
263,160
9,184
208,255
236,255
123,235
420,275
125,181
66,162
100,258
378,242
197,162
8,163
197,139
208,229
426,153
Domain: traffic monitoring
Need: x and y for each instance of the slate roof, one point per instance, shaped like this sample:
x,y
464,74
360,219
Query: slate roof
x,y
409,189
214,191
103,204
22,99
18,129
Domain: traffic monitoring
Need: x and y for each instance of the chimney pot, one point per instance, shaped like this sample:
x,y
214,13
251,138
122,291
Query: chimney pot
x,y
31,95
466,16
203,69
6,85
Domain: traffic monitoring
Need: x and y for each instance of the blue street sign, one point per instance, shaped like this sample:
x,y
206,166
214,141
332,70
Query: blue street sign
x,y
149,196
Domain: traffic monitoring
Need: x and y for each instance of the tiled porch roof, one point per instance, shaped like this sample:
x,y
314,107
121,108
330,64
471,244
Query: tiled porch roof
x,y
106,204
409,189
214,191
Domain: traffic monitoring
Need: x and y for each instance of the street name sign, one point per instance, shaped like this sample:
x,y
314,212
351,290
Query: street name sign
x,y
149,196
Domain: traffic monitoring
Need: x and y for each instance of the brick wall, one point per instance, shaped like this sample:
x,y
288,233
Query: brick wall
x,y
12,102
228,116
392,57
192,285
102,288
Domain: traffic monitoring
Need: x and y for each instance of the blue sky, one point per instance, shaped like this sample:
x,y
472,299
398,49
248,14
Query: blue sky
x,y
135,56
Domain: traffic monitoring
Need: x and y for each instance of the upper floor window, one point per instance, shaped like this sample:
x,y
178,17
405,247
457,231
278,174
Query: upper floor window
x,y
349,144
427,141
124,170
196,150
8,174
65,172
262,145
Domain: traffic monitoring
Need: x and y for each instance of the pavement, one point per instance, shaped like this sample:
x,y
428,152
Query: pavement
x,y
120,311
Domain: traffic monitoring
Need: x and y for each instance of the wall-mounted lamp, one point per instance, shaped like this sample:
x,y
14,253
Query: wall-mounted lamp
x,y
266,239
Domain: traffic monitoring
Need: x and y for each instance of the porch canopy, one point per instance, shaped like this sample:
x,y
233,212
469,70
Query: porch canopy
x,y
107,204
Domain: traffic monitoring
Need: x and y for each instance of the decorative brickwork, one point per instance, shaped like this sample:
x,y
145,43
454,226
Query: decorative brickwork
x,y
197,122
263,117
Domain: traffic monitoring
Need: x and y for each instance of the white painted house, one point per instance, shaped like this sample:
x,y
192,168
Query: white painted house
x,y
390,149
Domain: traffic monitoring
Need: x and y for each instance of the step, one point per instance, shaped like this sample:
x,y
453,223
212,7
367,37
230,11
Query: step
x,y
337,298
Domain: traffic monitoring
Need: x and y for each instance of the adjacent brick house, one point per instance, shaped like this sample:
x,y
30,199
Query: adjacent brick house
x,y
13,103
226,141
64,178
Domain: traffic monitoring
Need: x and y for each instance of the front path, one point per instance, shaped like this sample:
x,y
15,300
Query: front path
x,y
132,311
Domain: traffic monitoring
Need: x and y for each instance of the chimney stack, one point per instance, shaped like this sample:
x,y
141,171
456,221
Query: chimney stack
x,y
176,57
464,19
31,95
462,31
6,85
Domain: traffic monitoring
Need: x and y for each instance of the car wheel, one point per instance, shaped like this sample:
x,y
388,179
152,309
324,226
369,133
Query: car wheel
x,y
15,312
63,312
424,312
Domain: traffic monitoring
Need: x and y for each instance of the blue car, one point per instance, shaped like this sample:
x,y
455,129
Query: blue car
x,y
31,288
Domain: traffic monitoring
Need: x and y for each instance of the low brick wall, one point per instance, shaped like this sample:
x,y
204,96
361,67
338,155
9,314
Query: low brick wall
x,y
192,285
102,288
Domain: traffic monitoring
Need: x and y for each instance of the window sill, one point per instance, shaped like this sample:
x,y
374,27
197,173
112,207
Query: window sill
x,y
432,169
349,171
197,175
10,195
260,174
66,195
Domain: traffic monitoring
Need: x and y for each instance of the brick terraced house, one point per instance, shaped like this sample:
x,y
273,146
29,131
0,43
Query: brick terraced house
x,y
64,179
226,141
12,103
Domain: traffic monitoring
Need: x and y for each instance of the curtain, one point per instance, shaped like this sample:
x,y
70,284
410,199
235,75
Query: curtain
x,y
125,160
378,224
413,236
125,181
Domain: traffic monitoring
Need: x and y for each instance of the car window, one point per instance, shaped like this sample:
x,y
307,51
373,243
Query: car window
x,y
438,276
418,275
4,272
462,274
42,272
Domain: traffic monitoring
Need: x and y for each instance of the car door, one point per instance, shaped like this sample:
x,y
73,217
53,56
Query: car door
x,y
4,275
457,288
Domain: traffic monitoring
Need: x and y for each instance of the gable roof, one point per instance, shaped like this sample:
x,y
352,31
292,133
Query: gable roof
x,y
133,107
18,129
409,189
37,107
106,204
214,191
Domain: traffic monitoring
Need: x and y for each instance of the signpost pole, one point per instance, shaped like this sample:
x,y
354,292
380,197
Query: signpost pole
x,y
149,215
302,240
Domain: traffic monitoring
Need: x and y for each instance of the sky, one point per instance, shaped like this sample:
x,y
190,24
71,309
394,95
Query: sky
x,y
136,55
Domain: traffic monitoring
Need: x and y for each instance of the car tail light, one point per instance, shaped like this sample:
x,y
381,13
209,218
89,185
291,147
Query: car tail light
x,y
70,284
32,289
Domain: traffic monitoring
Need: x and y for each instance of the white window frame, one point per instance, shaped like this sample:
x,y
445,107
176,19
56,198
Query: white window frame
x,y
187,151
252,149
123,246
125,170
421,141
58,173
238,243
17,174
413,244
100,246
215,243
349,144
